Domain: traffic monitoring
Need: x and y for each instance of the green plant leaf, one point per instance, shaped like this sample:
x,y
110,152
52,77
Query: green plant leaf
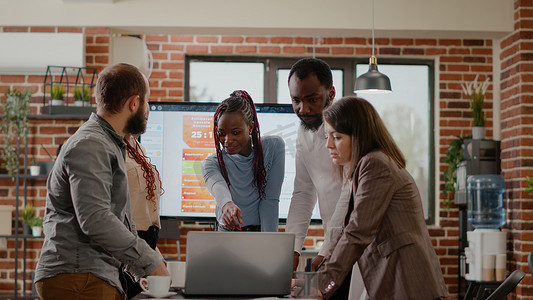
x,y
82,93
14,128
28,216
58,92
529,185
453,156
477,104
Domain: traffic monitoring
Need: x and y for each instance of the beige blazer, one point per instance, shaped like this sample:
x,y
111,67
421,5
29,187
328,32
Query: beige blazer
x,y
387,235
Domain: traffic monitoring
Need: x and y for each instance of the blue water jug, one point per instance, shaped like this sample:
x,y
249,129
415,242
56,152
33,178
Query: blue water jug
x,y
485,201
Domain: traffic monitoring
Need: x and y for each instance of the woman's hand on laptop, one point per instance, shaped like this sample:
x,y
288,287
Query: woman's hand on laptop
x,y
231,215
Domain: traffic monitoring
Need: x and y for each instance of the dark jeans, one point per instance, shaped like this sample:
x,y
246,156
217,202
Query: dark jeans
x,y
150,236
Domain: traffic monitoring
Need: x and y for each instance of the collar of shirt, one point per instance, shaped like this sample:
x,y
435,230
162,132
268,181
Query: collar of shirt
x,y
109,129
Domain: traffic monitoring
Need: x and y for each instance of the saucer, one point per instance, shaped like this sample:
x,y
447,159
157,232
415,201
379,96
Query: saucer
x,y
159,295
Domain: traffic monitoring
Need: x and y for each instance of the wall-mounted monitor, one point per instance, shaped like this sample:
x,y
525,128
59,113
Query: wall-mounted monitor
x,y
179,136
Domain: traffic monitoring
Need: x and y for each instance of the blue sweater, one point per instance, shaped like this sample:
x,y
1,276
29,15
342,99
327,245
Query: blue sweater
x,y
242,192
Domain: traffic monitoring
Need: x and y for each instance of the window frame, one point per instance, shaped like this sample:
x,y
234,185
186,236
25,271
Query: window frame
x,y
211,58
348,65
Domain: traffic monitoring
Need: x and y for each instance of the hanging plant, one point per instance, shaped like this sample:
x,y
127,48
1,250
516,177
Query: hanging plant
x,y
453,157
14,126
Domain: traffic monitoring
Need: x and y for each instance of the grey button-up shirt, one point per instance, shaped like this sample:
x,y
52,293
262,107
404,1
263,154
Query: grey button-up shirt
x,y
87,224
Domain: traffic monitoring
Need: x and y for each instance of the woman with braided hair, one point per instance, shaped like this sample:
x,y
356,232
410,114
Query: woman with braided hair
x,y
246,172
145,189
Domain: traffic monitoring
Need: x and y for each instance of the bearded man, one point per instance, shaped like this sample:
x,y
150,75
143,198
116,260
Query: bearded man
x,y
311,89
88,229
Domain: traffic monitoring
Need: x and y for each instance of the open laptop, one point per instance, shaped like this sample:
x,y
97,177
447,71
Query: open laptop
x,y
239,263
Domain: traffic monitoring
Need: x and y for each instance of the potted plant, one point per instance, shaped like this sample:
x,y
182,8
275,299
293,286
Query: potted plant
x,y
35,169
476,91
14,128
58,92
36,223
82,95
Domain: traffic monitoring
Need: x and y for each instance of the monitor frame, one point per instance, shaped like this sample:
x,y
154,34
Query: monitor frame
x,y
211,108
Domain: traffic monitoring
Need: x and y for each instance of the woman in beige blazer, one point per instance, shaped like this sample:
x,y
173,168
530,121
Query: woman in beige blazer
x,y
384,228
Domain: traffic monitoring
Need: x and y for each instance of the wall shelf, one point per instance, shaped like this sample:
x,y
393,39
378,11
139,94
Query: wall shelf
x,y
70,78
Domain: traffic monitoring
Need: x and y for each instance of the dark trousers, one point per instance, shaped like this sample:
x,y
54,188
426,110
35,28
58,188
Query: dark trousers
x,y
150,236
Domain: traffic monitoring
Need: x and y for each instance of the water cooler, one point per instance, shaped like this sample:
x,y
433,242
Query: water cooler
x,y
486,215
480,157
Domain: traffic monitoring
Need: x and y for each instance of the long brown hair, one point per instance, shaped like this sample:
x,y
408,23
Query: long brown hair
x,y
240,101
358,118
149,171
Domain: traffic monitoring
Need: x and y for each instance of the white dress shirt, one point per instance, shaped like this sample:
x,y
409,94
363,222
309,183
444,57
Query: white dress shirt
x,y
314,179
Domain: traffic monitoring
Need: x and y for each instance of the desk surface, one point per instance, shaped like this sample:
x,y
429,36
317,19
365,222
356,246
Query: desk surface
x,y
142,297
181,296
214,298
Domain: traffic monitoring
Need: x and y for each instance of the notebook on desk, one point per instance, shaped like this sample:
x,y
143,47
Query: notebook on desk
x,y
239,263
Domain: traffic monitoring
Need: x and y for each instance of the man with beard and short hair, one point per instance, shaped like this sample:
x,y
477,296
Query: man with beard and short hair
x,y
88,228
311,89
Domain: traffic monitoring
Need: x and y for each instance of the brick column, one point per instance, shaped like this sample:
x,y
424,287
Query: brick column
x,y
517,140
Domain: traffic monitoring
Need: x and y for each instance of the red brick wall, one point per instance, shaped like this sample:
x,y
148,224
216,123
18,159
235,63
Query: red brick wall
x,y
458,61
517,139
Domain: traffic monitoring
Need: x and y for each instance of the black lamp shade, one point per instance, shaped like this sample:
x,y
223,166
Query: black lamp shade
x,y
373,81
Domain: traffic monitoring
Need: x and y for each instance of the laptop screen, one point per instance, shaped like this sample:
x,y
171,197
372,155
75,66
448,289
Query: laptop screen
x,y
239,263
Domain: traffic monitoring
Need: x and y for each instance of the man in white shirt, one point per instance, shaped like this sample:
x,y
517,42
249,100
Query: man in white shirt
x,y
311,89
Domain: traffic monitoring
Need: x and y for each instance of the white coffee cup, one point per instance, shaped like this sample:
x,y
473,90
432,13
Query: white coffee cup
x,y
177,273
155,284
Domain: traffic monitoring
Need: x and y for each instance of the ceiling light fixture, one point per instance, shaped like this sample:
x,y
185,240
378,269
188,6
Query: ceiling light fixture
x,y
373,81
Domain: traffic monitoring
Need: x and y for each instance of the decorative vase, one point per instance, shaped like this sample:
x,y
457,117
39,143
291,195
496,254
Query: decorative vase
x,y
35,170
36,230
478,132
57,102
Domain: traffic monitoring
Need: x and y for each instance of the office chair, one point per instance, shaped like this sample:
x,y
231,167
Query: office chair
x,y
507,286
530,262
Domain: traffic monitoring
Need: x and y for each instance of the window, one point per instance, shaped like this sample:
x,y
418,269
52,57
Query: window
x,y
214,81
283,95
407,112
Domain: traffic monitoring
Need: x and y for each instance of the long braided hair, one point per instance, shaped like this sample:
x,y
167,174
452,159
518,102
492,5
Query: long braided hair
x,y
149,171
240,101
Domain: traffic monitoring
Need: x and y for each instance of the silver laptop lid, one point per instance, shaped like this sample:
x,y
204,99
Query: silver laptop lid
x,y
239,263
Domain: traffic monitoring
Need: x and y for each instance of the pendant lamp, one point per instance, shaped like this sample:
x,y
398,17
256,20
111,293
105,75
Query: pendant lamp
x,y
373,81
